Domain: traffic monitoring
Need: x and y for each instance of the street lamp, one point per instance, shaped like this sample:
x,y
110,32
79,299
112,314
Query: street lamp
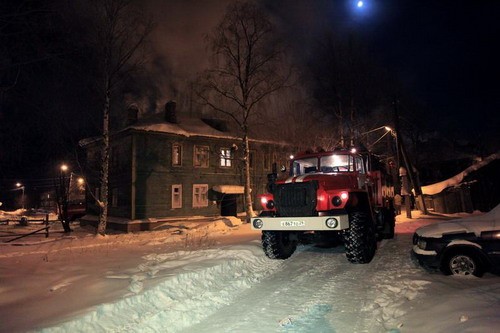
x,y
387,131
62,200
387,128
21,187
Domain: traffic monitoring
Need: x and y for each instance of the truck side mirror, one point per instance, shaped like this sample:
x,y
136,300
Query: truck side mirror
x,y
272,177
271,181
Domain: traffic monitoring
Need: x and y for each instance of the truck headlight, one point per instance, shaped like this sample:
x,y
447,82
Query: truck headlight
x,y
331,222
336,201
257,223
421,244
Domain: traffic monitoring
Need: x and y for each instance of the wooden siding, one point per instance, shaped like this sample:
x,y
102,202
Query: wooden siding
x,y
142,173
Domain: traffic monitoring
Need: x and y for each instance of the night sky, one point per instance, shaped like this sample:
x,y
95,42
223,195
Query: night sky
x,y
444,53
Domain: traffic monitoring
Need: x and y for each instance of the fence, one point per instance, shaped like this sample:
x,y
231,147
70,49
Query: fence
x,y
24,221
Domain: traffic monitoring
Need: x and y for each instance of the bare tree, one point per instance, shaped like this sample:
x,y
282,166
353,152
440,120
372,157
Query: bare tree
x,y
243,73
120,33
347,84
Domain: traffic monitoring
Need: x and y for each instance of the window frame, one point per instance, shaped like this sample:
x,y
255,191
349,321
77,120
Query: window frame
x,y
173,203
200,198
178,145
197,163
226,157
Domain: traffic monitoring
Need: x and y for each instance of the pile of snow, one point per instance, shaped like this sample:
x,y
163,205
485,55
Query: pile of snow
x,y
193,286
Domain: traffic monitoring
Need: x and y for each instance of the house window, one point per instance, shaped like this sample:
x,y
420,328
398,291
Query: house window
x,y
267,165
200,158
176,154
114,197
225,157
177,196
251,158
200,198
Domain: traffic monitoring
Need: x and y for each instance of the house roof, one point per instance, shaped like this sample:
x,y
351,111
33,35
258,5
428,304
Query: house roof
x,y
187,126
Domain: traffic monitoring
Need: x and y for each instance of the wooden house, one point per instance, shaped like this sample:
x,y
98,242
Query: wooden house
x,y
171,166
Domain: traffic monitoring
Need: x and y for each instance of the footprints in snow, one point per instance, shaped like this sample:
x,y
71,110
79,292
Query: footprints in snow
x,y
389,304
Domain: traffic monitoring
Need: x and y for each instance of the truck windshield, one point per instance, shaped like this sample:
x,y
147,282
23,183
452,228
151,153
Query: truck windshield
x,y
303,166
327,164
336,163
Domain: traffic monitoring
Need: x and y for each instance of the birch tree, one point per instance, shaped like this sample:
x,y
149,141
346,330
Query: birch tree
x,y
243,72
120,33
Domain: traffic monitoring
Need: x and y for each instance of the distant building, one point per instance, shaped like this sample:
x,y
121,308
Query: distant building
x,y
169,166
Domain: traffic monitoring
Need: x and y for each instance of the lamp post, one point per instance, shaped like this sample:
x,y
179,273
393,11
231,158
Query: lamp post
x,y
63,197
21,187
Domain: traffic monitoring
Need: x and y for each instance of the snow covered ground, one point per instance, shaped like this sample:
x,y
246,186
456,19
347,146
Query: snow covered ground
x,y
211,277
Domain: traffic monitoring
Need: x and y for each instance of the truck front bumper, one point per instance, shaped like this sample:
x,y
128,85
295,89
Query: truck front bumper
x,y
301,223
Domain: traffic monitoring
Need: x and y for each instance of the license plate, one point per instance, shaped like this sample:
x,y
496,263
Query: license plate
x,y
293,223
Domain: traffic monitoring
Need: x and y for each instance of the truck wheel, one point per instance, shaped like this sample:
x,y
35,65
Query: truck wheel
x,y
359,240
278,244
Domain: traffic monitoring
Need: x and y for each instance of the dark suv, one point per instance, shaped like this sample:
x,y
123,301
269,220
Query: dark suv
x,y
467,246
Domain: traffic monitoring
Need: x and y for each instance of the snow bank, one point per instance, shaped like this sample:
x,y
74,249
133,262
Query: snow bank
x,y
193,286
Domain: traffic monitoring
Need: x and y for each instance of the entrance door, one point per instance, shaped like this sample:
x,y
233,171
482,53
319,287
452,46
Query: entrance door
x,y
228,205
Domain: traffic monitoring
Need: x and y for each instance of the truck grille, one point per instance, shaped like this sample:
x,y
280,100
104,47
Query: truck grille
x,y
296,199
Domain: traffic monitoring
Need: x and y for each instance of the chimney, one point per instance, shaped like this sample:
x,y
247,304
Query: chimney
x,y
132,114
170,114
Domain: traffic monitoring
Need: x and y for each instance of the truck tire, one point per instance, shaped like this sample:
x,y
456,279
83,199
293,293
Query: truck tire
x,y
359,240
278,244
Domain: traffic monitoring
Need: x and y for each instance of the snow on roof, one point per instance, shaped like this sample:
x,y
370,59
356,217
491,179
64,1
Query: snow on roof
x,y
185,126
229,189
457,179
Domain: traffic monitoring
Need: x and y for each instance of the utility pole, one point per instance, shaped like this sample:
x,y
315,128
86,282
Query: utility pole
x,y
401,153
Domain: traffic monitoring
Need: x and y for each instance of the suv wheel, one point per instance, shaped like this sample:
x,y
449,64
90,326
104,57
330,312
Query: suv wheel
x,y
462,263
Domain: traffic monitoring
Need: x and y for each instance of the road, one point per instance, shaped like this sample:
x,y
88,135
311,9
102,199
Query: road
x,y
225,283
317,290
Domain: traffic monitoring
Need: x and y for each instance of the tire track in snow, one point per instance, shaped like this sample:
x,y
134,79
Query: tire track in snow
x,y
317,290
387,302
270,306
381,297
